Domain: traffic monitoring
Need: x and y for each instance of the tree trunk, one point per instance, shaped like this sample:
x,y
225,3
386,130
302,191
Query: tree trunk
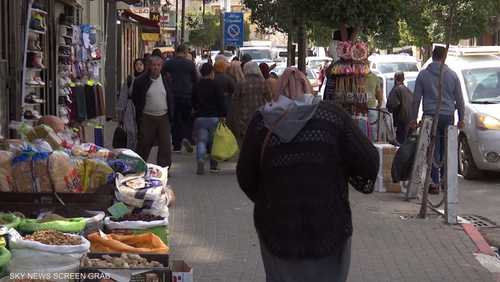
x,y
183,22
221,46
290,57
302,42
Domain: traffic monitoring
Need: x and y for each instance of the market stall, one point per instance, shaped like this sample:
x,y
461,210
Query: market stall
x,y
80,209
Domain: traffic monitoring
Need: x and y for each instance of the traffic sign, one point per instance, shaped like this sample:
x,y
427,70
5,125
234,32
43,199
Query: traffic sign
x,y
233,29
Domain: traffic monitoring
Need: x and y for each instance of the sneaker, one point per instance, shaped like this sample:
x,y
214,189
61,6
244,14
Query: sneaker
x,y
433,189
33,99
37,23
39,80
35,60
31,115
33,44
187,146
201,168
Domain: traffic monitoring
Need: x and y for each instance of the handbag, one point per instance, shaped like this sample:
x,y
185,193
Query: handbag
x,y
120,137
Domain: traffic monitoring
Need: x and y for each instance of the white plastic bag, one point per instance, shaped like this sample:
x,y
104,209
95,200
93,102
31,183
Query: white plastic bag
x,y
141,225
34,257
147,194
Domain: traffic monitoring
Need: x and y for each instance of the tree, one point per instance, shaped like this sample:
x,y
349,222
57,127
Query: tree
x,y
204,34
423,22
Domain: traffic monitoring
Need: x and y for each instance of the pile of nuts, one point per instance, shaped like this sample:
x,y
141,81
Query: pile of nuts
x,y
123,261
140,217
55,238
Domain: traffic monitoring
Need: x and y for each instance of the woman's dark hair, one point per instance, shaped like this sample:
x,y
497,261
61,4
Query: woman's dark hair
x,y
206,69
156,52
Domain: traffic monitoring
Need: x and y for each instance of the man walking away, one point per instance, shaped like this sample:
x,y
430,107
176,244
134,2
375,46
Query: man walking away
x,y
400,103
183,74
427,88
154,104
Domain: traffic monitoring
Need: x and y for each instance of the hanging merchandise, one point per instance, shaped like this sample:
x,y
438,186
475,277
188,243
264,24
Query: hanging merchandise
x,y
349,75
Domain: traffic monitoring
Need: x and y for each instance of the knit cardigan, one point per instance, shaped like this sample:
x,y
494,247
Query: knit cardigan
x,y
300,188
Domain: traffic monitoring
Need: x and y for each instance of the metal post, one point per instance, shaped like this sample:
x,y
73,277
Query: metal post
x,y
111,59
176,22
222,43
451,178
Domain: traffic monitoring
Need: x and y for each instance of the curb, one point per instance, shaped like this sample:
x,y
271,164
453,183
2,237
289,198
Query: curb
x,y
481,244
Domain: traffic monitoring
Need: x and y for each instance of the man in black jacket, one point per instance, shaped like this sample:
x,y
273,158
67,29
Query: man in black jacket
x,y
399,103
183,74
154,106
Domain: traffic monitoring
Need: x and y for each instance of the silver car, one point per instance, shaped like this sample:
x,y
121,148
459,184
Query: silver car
x,y
478,69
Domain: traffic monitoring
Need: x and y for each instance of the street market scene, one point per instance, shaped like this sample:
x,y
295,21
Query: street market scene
x,y
249,140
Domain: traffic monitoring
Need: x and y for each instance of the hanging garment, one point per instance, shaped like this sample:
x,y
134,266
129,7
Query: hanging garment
x,y
90,101
79,102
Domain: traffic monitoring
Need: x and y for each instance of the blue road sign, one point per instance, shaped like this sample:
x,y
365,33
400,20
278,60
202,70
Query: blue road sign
x,y
233,29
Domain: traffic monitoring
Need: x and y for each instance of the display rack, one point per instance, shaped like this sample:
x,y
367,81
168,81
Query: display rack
x,y
33,86
65,53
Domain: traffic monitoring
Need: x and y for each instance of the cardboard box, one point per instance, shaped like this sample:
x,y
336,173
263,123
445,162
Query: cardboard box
x,y
181,271
126,274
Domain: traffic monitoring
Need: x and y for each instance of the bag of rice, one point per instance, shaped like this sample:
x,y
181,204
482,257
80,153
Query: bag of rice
x,y
41,174
6,183
161,173
97,174
64,174
46,133
22,173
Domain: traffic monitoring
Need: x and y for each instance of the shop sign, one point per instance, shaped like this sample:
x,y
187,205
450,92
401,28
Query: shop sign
x,y
164,21
150,36
154,16
141,11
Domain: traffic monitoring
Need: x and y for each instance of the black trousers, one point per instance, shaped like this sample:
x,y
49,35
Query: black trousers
x,y
182,127
155,130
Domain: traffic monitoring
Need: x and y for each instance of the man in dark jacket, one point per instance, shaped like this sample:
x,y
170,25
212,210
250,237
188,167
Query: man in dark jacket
x,y
399,103
154,106
183,75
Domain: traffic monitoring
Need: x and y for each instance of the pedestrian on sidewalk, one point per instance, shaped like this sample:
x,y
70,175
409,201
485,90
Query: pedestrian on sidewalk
x,y
375,98
235,71
297,159
427,91
224,80
182,72
271,82
249,97
209,107
154,103
125,109
400,103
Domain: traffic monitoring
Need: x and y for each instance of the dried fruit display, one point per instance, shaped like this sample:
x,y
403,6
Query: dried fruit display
x,y
55,238
140,217
123,261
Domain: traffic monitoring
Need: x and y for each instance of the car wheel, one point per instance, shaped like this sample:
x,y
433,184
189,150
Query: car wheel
x,y
467,166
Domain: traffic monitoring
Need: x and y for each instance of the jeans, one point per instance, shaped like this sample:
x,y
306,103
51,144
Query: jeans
x,y
444,121
204,129
182,127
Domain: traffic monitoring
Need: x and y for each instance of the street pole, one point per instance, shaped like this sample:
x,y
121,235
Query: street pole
x,y
111,58
221,23
183,21
176,22
451,180
302,42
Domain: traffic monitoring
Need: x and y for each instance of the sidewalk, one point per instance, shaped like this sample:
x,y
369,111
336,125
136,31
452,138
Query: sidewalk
x,y
212,229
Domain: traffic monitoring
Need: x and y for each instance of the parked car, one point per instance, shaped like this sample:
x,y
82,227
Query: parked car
x,y
315,63
383,64
478,69
259,54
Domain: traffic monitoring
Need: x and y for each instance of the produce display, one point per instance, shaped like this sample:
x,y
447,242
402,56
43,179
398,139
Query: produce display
x,y
54,238
147,243
139,217
123,261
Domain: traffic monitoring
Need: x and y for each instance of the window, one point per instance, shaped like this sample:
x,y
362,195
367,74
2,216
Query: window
x,y
483,85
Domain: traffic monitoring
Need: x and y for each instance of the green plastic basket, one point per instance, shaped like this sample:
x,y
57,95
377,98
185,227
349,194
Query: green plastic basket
x,y
74,225
4,261
12,221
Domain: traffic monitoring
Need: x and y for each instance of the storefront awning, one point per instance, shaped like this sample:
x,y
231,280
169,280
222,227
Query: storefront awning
x,y
150,25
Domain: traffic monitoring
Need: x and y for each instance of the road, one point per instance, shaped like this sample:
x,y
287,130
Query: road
x,y
481,197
